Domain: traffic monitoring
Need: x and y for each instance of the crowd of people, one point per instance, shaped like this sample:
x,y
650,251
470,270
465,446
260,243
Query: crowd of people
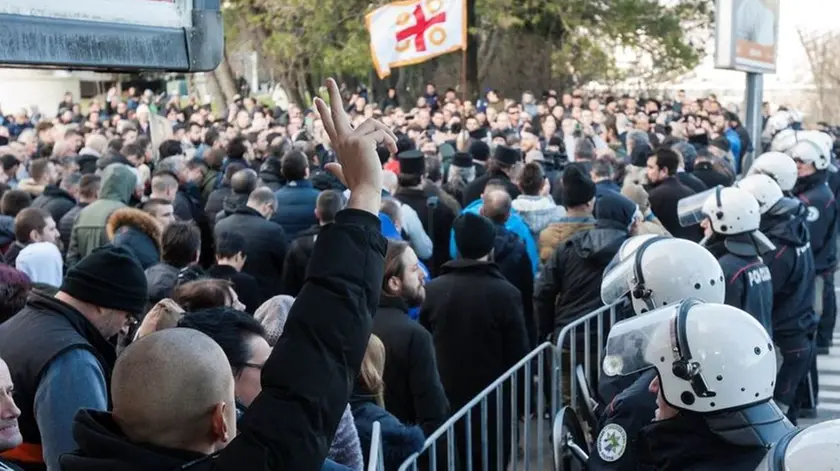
x,y
255,288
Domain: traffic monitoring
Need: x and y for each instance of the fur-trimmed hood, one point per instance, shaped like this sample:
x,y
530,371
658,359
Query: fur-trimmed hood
x,y
137,219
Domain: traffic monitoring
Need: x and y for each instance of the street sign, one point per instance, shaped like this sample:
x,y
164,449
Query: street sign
x,y
112,35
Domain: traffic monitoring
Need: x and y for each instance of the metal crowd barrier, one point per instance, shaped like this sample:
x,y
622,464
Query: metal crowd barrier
x,y
375,458
570,347
525,377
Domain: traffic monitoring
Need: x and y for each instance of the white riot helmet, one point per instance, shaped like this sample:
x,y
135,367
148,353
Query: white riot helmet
x,y
778,166
658,271
809,151
764,189
709,357
730,210
778,122
815,448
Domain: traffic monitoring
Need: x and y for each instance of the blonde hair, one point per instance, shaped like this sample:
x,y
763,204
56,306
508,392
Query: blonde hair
x,y
372,368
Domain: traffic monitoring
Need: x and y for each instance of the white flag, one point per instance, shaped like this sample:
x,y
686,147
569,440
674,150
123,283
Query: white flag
x,y
413,31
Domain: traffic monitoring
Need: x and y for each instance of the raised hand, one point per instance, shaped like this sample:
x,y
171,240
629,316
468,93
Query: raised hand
x,y
358,165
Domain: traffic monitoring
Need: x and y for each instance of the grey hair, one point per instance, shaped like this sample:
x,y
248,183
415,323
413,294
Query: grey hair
x,y
466,174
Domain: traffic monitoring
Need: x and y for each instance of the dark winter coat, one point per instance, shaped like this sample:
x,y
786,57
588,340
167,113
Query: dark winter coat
x,y
399,441
55,201
296,207
475,317
706,172
265,247
663,202
245,285
297,258
822,219
290,425
413,391
161,279
138,232
431,209
792,271
215,202
510,255
7,232
690,180
65,226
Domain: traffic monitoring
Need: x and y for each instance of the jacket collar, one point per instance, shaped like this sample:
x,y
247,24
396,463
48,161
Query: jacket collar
x,y
248,211
50,305
393,302
299,184
473,266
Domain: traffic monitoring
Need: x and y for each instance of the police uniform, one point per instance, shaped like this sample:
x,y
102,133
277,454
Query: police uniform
x,y
748,280
814,192
615,447
794,320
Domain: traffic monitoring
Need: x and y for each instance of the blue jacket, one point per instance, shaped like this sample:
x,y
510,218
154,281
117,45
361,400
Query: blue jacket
x,y
792,269
822,219
735,146
607,185
514,224
399,441
296,207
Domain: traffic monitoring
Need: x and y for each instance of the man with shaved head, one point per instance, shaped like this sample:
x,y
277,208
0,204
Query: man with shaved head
x,y
9,432
173,391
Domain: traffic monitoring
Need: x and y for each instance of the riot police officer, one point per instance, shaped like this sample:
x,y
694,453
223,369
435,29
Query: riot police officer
x,y
812,162
730,218
813,448
654,271
715,370
778,166
792,270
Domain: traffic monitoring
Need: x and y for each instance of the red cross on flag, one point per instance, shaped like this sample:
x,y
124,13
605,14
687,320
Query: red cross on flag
x,y
414,31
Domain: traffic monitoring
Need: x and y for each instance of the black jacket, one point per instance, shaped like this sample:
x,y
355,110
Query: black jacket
x,y
413,391
431,209
136,231
663,202
475,317
215,202
632,410
691,181
685,443
569,284
822,219
711,177
291,423
65,226
245,285
297,258
748,283
792,270
265,247
476,187
55,201
510,255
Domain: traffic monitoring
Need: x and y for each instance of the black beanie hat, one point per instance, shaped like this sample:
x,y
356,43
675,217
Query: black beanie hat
x,y
578,188
110,277
479,150
475,235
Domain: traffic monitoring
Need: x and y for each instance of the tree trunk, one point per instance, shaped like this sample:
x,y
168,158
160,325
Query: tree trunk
x,y
215,91
473,85
227,81
489,49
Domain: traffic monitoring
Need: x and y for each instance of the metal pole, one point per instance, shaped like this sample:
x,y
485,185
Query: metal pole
x,y
755,88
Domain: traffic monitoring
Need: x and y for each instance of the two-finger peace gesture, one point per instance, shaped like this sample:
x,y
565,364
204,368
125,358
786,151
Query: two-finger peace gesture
x,y
358,164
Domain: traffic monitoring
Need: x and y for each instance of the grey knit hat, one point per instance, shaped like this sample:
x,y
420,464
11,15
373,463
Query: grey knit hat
x,y
272,316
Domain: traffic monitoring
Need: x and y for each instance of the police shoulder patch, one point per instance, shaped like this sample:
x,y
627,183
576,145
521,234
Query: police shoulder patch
x,y
612,442
813,214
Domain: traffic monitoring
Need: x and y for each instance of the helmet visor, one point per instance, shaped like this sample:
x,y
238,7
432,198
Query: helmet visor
x,y
618,278
690,208
634,341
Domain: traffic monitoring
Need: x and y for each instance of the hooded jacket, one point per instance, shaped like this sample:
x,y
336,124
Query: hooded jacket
x,y
569,284
161,278
55,201
537,212
792,271
514,224
557,232
138,232
232,203
118,184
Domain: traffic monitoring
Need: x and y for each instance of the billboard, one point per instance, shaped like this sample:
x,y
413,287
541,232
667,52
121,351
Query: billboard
x,y
746,35
112,35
